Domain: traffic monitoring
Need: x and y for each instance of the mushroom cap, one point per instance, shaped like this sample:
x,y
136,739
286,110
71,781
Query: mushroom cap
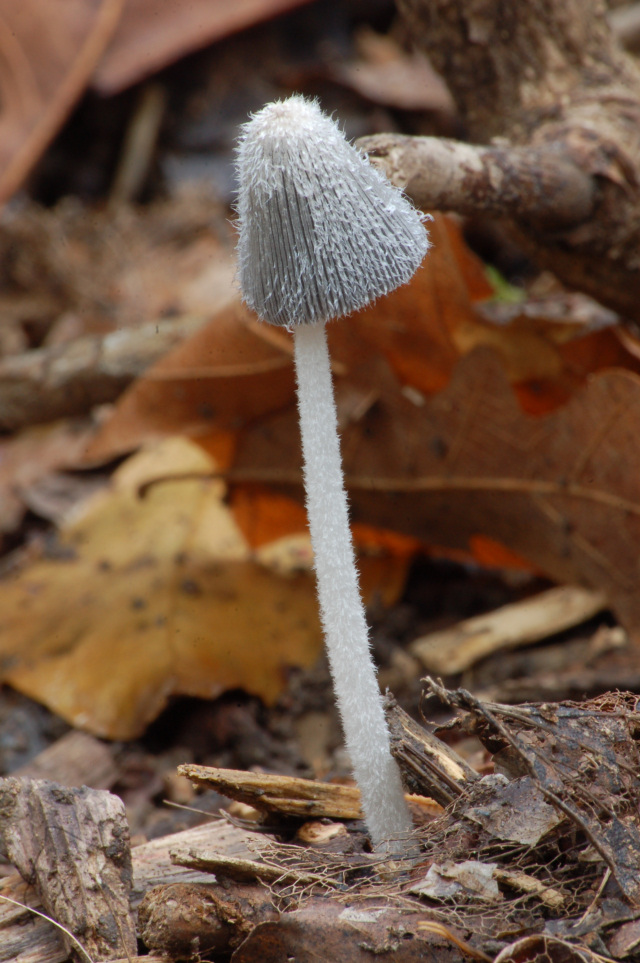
x,y
321,231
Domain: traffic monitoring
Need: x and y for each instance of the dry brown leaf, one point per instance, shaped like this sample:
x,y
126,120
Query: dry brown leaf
x,y
232,387
48,52
155,33
228,374
237,369
562,490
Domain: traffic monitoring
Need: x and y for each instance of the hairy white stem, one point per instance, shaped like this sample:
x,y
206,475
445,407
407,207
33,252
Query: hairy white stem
x,y
347,636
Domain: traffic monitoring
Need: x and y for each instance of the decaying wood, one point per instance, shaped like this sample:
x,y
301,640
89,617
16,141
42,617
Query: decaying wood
x,y
69,379
351,934
553,105
76,759
558,816
24,936
187,920
74,845
521,623
31,939
286,795
429,767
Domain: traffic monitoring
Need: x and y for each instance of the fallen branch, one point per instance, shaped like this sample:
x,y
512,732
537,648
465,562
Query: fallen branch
x,y
545,85
69,379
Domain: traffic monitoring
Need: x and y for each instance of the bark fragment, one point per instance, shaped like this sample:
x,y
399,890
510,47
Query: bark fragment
x,y
73,844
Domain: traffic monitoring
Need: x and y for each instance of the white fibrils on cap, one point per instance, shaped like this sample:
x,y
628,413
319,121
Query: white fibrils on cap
x,y
321,232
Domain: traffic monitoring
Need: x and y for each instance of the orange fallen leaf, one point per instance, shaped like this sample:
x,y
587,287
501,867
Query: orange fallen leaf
x,y
237,369
389,361
230,373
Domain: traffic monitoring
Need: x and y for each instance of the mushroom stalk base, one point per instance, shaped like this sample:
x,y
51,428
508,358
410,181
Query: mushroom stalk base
x,y
343,617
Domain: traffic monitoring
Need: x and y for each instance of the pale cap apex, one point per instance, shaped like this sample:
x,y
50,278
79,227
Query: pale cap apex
x,y
321,232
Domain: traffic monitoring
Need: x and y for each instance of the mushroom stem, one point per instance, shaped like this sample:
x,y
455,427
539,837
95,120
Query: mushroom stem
x,y
343,617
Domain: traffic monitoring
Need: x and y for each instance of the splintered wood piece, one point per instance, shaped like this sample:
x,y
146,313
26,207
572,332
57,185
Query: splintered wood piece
x,y
429,767
461,646
153,861
77,759
287,795
73,844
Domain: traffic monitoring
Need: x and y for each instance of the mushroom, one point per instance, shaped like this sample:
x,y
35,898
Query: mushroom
x,y
321,234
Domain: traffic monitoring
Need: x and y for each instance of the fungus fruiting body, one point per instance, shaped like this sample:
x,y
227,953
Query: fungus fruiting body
x,y
321,234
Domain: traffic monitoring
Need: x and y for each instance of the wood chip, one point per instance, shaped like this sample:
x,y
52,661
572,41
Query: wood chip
x,y
429,767
456,649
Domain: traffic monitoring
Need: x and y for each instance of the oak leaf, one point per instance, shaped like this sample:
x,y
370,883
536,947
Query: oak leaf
x,y
144,598
561,490
154,590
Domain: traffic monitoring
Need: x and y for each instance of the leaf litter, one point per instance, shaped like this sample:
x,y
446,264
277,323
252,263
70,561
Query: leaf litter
x,y
438,451
569,882
545,372
165,587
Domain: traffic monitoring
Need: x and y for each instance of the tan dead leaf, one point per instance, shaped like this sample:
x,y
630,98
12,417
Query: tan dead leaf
x,y
148,598
48,52
153,590
155,33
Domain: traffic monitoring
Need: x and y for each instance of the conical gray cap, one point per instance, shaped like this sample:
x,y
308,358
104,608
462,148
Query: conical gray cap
x,y
322,233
